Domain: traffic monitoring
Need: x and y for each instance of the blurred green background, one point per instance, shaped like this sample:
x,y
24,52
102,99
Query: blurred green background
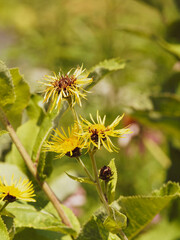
x,y
43,36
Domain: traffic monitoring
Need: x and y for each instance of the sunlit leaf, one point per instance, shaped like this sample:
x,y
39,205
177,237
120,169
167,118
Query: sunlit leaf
x,y
115,221
7,95
95,229
22,93
9,222
3,231
80,179
28,216
100,70
140,210
112,183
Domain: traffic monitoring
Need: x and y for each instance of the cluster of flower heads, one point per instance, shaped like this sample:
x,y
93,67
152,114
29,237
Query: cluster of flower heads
x,y
85,134
66,86
17,190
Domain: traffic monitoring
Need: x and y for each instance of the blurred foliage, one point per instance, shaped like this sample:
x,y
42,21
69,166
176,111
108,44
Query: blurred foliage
x,y
44,36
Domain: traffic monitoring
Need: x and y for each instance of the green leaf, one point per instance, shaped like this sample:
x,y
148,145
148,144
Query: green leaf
x,y
2,132
115,221
34,111
22,95
99,71
35,234
95,229
3,231
73,219
112,183
7,89
140,210
80,179
27,134
44,130
91,231
49,121
9,222
5,213
28,216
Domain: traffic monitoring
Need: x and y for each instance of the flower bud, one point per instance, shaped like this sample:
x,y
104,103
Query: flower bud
x,y
105,173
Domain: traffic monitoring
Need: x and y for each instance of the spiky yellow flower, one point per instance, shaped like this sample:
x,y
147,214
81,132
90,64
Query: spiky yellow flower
x,y
17,190
97,134
66,86
64,144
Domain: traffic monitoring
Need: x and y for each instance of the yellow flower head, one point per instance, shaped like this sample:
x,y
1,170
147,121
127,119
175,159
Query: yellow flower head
x,y
97,134
64,144
17,190
62,86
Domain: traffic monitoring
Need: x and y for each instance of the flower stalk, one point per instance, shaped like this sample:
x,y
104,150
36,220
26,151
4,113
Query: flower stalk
x,y
98,185
85,169
4,206
45,187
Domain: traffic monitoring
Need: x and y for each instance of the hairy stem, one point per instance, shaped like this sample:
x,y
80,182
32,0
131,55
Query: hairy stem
x,y
98,185
46,188
85,169
123,236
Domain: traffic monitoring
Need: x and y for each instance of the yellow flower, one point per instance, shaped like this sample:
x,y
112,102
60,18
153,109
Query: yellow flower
x,y
17,190
66,86
97,134
64,144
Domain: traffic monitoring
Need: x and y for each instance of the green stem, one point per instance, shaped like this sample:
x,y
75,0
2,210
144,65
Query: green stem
x,y
98,185
76,118
123,236
3,207
84,167
45,187
105,189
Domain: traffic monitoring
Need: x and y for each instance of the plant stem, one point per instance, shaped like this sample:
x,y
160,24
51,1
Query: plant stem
x,y
76,118
98,186
46,188
5,204
84,167
106,189
123,235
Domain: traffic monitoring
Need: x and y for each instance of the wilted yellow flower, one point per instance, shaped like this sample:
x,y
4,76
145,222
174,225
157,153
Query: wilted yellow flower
x,y
61,86
64,144
17,190
97,134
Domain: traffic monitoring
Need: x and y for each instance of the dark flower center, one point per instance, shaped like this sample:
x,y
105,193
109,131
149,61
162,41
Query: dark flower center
x,y
94,135
63,82
9,198
105,173
75,153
